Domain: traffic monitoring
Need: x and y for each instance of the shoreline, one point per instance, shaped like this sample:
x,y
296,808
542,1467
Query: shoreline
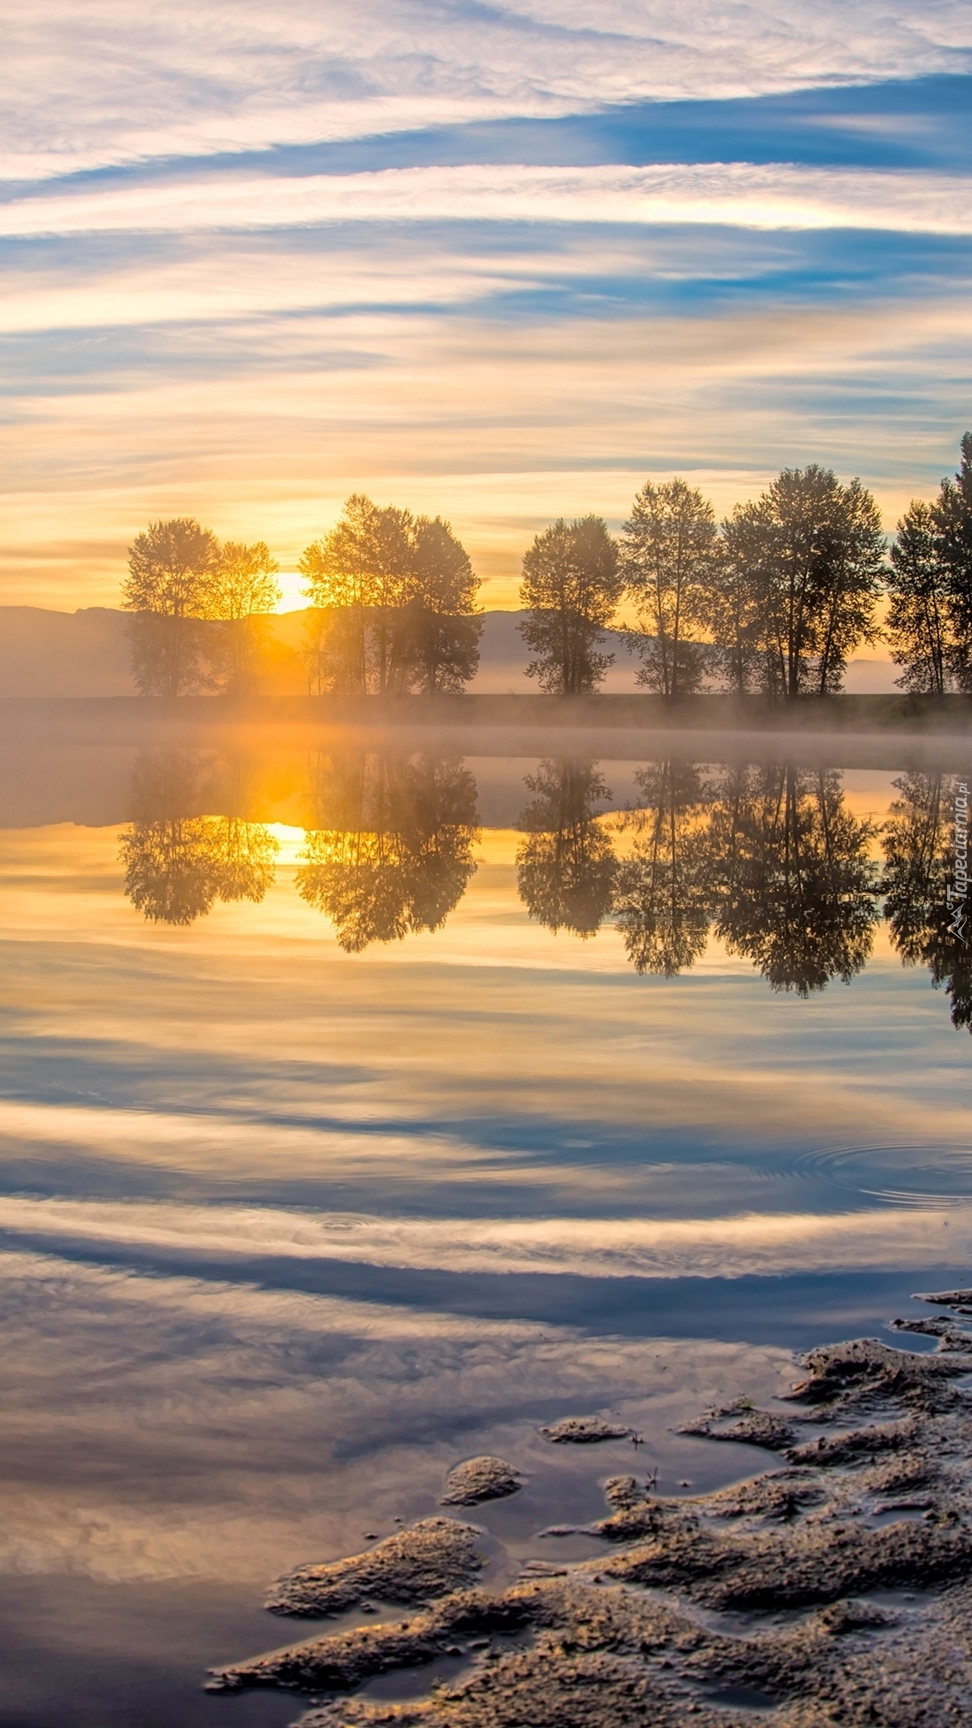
x,y
832,1587
913,715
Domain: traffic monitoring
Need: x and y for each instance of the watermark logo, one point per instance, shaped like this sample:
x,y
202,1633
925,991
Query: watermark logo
x,y
957,890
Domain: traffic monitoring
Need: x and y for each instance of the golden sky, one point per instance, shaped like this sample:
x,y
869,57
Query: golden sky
x,y
502,268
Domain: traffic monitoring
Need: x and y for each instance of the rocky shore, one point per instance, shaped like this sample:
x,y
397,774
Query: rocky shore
x,y
834,1589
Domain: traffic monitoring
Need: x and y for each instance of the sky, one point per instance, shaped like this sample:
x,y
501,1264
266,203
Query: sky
x,y
496,262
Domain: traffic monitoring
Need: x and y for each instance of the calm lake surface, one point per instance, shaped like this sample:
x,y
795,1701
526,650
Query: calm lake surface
x,y
365,1107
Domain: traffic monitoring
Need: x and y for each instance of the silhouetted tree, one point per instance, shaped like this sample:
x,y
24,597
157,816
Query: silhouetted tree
x,y
357,574
565,871
170,588
952,518
178,861
443,627
669,551
570,590
244,592
735,609
798,889
813,553
392,849
923,917
663,892
394,598
918,626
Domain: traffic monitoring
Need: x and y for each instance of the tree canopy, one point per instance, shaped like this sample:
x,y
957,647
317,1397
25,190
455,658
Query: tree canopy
x,y
571,588
396,594
669,558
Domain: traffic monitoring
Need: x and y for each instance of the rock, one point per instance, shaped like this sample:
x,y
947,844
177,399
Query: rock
x,y
743,1423
584,1431
480,1479
427,1560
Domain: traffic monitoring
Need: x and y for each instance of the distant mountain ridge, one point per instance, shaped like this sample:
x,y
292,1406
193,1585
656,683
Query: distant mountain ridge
x,y
85,653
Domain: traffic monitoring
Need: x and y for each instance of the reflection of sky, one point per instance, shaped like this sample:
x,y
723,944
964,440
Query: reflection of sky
x,y
489,1099
491,263
286,1232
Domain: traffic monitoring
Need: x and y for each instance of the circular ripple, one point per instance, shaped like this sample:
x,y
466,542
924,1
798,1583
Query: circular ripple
x,y
905,1175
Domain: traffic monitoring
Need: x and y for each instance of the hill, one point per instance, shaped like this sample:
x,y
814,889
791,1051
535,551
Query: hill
x,y
85,653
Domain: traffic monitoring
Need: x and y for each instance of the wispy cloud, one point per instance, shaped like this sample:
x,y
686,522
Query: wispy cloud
x,y
453,313
736,194
100,82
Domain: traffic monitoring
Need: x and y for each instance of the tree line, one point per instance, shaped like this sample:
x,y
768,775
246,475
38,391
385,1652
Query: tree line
x,y
391,607
773,601
767,858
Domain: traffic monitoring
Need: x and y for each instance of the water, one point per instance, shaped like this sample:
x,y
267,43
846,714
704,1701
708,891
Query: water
x,y
342,1138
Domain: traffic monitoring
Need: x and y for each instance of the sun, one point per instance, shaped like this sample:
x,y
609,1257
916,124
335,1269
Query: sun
x,y
292,596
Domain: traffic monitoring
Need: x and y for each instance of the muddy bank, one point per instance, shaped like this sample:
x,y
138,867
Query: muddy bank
x,y
836,1587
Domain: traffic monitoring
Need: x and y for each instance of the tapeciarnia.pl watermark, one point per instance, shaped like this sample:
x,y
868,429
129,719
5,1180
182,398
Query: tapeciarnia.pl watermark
x,y
958,888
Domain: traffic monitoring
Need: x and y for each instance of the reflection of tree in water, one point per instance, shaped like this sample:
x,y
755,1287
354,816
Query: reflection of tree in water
x,y
919,862
664,890
565,870
798,890
391,850
772,855
178,863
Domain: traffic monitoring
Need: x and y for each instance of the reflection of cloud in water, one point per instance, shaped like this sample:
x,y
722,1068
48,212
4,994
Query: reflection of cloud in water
x,y
163,1428
726,1247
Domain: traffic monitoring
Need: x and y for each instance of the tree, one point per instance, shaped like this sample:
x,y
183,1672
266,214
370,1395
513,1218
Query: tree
x,y
169,587
849,583
797,893
918,623
443,626
178,861
952,518
735,611
393,852
813,553
394,595
669,554
663,892
356,574
243,593
570,590
565,870
918,873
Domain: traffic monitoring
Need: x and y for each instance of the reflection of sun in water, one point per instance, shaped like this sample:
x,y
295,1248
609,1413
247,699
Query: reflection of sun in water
x,y
290,841
292,585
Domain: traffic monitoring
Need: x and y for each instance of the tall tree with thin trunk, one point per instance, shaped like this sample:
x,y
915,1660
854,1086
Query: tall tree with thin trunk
x,y
918,624
851,577
570,591
669,552
735,609
441,647
394,597
952,516
359,574
170,589
815,553
245,591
